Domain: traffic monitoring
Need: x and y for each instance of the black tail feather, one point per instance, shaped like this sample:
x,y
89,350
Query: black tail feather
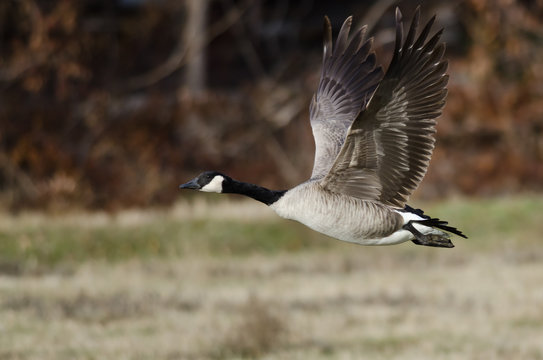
x,y
434,222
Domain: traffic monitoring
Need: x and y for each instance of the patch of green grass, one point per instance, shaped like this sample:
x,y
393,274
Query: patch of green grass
x,y
52,242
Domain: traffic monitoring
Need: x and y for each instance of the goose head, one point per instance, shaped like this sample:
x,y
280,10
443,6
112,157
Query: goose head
x,y
209,181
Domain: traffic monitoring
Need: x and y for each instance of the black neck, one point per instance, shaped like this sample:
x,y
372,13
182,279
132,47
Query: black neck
x,y
256,192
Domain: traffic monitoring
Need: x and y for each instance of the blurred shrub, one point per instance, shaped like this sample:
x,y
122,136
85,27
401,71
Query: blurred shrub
x,y
491,132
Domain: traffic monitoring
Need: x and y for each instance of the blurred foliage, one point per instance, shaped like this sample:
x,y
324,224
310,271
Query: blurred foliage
x,y
95,110
491,133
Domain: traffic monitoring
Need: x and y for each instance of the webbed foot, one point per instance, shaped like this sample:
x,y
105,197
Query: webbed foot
x,y
434,240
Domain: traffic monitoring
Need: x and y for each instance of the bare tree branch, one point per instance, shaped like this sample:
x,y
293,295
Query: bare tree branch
x,y
182,51
36,54
375,13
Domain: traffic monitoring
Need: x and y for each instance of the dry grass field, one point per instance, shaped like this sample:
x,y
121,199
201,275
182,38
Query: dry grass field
x,y
243,284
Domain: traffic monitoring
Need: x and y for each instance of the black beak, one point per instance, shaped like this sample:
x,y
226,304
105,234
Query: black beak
x,y
193,184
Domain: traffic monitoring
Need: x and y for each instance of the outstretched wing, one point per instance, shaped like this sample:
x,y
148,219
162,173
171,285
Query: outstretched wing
x,y
389,145
349,78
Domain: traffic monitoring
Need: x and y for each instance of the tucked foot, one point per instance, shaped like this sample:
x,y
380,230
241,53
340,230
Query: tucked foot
x,y
435,240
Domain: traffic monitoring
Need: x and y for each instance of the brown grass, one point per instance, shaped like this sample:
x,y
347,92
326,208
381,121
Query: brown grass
x,y
480,300
260,330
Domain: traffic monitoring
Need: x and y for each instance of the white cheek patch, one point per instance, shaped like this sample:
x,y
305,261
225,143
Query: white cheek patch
x,y
214,185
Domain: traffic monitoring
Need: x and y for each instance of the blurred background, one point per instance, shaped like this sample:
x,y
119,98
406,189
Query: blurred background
x,y
107,106
112,104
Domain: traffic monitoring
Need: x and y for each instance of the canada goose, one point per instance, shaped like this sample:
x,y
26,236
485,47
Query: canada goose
x,y
374,136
